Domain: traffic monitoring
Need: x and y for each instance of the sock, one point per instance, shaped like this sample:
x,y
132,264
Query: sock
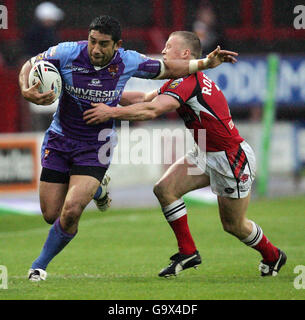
x,y
56,241
258,241
268,251
176,216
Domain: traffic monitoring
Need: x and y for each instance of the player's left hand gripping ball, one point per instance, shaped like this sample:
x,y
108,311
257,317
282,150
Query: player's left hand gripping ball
x,y
48,76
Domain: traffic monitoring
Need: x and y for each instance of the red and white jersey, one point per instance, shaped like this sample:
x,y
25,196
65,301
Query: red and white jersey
x,y
203,106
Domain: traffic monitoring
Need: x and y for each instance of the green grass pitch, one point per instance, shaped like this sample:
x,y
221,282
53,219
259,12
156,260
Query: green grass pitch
x,y
117,255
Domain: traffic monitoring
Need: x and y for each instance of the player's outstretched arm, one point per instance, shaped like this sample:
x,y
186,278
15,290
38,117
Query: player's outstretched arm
x,y
173,69
136,112
132,97
31,93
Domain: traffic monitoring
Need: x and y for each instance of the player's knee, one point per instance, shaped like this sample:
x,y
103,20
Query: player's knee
x,y
71,213
227,227
164,193
49,220
231,226
161,190
49,215
72,208
68,222
157,189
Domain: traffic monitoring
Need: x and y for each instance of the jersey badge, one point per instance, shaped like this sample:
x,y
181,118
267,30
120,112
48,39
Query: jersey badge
x,y
46,153
40,57
244,178
113,70
175,83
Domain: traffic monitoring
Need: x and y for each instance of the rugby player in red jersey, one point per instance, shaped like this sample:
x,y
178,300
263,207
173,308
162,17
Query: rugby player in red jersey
x,y
227,162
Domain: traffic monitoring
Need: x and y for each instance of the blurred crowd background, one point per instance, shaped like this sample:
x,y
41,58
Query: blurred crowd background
x,y
254,28
246,26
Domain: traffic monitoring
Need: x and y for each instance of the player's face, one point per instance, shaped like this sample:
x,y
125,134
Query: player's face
x,y
173,48
101,48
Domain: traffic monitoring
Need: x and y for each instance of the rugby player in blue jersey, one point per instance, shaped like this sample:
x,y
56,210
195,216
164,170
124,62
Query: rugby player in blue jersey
x,y
73,168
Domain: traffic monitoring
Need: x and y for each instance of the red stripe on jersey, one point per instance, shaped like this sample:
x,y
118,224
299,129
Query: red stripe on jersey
x,y
238,161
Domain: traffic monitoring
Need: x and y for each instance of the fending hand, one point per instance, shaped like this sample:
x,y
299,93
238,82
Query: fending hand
x,y
218,56
99,113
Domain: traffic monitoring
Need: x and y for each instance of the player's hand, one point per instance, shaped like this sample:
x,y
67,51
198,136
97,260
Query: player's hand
x,y
98,114
218,56
33,95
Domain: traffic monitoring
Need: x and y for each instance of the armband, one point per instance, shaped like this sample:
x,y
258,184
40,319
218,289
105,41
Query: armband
x,y
162,70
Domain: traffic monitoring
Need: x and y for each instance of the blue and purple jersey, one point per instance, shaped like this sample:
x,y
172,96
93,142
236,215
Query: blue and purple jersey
x,y
84,83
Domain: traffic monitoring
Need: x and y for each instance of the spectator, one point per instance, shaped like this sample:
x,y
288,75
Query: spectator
x,y
42,34
207,28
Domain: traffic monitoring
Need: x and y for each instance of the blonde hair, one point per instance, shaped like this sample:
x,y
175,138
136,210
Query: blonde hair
x,y
192,42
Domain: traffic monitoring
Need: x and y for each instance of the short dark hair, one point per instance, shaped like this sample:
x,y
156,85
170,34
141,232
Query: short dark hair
x,y
107,25
191,40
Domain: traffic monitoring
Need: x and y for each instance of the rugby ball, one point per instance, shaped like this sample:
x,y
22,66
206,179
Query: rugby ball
x,y
49,77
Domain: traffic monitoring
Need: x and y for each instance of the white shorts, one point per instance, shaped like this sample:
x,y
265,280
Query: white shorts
x,y
231,174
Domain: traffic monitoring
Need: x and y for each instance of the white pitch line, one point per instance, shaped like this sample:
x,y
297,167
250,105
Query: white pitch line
x,y
82,276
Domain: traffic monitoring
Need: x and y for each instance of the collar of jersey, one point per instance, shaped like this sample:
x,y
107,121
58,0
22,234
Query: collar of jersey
x,y
97,68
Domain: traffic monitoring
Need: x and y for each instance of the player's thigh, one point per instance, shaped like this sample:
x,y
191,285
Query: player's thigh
x,y
81,191
180,178
52,197
53,188
84,181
